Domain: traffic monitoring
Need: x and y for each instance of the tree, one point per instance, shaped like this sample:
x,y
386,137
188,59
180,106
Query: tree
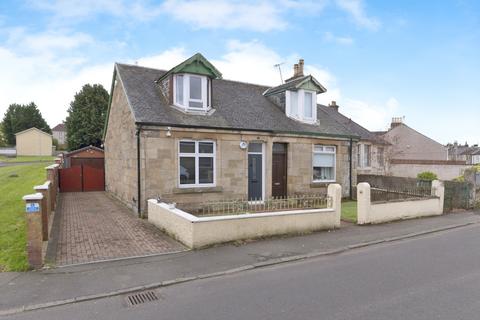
x,y
20,117
86,117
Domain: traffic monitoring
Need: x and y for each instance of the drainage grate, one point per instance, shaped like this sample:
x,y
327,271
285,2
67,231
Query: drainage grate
x,y
140,297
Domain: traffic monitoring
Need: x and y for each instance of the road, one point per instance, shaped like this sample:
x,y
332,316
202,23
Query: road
x,y
432,277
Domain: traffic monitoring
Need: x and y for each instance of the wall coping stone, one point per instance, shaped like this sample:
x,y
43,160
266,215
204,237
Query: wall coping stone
x,y
44,186
198,190
34,196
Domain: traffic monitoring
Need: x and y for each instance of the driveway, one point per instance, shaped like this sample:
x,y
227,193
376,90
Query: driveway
x,y
90,226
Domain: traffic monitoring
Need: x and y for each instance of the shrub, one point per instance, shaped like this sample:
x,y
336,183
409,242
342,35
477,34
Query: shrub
x,y
427,175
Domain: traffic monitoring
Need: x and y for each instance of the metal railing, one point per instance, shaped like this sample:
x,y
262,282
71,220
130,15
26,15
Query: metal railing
x,y
242,206
402,193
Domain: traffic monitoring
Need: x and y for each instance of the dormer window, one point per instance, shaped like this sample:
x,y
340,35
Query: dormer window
x,y
191,92
301,105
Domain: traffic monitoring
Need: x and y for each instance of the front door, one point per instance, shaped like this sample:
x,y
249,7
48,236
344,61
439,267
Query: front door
x,y
279,170
255,172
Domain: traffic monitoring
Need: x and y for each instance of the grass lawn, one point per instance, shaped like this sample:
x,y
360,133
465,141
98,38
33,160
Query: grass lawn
x,y
26,158
12,219
349,211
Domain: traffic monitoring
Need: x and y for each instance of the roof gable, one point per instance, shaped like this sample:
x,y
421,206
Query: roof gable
x,y
196,64
32,128
306,83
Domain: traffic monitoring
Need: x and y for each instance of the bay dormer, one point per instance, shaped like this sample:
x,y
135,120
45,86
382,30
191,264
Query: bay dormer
x,y
297,97
188,86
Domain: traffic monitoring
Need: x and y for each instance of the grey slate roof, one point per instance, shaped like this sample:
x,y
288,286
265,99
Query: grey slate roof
x,y
237,105
352,126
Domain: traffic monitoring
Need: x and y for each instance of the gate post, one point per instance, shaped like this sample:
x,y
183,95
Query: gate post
x,y
46,207
52,176
363,203
33,211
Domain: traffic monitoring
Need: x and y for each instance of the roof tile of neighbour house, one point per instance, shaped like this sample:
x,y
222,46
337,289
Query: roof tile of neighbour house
x,y
59,127
237,105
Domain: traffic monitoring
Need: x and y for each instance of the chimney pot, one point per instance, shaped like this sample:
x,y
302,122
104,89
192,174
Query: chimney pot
x,y
301,62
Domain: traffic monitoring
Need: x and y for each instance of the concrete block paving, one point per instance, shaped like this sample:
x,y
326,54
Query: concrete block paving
x,y
90,226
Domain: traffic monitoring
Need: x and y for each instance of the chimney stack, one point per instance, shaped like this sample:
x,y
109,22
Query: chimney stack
x,y
300,67
333,105
396,121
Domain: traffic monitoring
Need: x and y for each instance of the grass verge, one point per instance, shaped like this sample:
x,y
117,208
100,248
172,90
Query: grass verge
x,y
26,158
15,182
349,211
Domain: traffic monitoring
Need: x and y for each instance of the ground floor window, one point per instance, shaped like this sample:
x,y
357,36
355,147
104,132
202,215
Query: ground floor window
x,y
324,163
196,163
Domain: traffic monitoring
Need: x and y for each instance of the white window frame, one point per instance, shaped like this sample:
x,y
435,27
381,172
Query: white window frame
x,y
300,106
197,155
186,92
334,152
361,161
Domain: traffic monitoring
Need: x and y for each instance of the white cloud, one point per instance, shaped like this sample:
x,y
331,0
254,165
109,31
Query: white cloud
x,y
356,9
47,68
263,16
372,116
330,37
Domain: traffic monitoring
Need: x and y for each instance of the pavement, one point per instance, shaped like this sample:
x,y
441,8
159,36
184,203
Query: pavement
x,y
435,276
67,285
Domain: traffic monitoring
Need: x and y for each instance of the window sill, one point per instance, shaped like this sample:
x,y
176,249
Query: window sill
x,y
197,190
321,184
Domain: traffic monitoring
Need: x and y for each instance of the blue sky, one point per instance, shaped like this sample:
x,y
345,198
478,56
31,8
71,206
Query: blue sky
x,y
377,59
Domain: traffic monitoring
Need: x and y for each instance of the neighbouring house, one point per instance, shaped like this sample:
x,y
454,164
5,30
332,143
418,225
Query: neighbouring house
x,y
59,132
370,152
186,135
33,142
411,152
87,156
469,154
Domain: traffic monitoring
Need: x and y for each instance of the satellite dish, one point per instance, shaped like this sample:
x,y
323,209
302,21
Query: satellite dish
x,y
243,145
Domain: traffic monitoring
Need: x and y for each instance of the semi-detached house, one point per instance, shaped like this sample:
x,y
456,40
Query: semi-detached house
x,y
186,135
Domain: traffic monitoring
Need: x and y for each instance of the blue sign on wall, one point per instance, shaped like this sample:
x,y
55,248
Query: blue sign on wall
x,y
32,207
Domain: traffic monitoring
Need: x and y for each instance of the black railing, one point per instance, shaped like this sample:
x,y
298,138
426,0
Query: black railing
x,y
242,206
402,193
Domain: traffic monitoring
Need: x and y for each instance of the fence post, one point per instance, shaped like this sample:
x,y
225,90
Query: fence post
x,y
438,190
363,202
33,212
334,191
46,207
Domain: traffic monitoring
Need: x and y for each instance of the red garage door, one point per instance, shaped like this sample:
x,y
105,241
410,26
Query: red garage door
x,y
81,178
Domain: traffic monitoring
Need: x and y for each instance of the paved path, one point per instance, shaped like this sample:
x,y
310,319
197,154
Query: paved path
x,y
72,282
91,227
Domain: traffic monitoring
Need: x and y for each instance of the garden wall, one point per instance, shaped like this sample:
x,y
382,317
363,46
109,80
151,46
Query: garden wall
x,y
379,212
196,232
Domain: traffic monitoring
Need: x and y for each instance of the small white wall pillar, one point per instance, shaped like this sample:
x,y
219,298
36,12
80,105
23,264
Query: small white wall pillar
x,y
334,191
363,203
438,190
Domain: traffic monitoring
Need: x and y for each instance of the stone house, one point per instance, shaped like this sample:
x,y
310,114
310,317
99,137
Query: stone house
x,y
409,144
188,136
370,152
